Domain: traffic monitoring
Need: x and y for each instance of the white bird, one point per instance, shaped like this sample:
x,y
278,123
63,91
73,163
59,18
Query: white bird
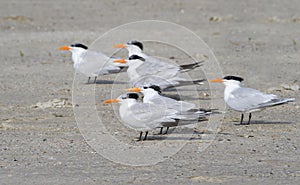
x,y
91,63
152,96
134,48
146,116
247,100
164,75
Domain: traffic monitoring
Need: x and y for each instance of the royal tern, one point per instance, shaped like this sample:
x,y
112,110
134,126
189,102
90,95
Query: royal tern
x,y
152,96
136,48
91,63
247,100
144,117
133,47
164,75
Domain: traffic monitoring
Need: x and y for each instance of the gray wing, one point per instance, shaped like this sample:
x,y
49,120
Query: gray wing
x,y
146,111
95,63
172,104
245,99
162,82
153,66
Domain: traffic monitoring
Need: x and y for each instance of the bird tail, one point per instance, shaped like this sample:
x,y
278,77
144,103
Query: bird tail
x,y
277,101
203,113
200,113
209,111
188,67
187,82
183,82
199,81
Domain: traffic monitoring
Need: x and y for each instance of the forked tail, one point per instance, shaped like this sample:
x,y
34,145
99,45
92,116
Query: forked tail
x,y
187,67
277,101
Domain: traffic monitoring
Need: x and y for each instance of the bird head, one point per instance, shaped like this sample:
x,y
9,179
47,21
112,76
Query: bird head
x,y
228,80
74,47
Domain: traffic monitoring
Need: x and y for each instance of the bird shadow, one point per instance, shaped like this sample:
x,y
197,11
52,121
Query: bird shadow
x,y
106,82
168,137
260,122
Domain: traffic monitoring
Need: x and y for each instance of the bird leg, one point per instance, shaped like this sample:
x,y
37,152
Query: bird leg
x,y
167,130
146,134
242,117
161,129
250,115
95,79
140,138
89,79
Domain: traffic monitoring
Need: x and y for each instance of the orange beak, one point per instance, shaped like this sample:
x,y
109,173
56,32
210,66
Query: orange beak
x,y
64,48
218,80
111,101
119,46
123,61
134,89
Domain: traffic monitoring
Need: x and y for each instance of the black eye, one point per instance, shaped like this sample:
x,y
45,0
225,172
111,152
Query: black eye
x,y
145,87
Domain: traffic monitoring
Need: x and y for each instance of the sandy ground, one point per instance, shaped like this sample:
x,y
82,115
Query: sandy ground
x,y
258,40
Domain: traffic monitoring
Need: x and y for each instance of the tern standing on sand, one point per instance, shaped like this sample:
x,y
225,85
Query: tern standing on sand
x,y
247,100
144,117
92,63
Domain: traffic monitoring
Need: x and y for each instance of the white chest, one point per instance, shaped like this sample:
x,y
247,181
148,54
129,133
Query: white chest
x,y
131,71
228,92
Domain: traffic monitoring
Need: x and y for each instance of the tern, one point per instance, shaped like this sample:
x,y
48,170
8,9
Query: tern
x,y
247,100
152,96
135,47
91,63
165,75
144,117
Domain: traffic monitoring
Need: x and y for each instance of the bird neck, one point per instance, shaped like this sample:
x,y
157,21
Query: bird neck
x,y
134,50
134,63
132,66
125,105
148,95
77,55
229,88
129,102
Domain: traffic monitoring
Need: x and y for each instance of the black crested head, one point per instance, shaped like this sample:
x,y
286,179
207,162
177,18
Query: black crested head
x,y
136,43
78,45
233,78
133,95
136,57
156,88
